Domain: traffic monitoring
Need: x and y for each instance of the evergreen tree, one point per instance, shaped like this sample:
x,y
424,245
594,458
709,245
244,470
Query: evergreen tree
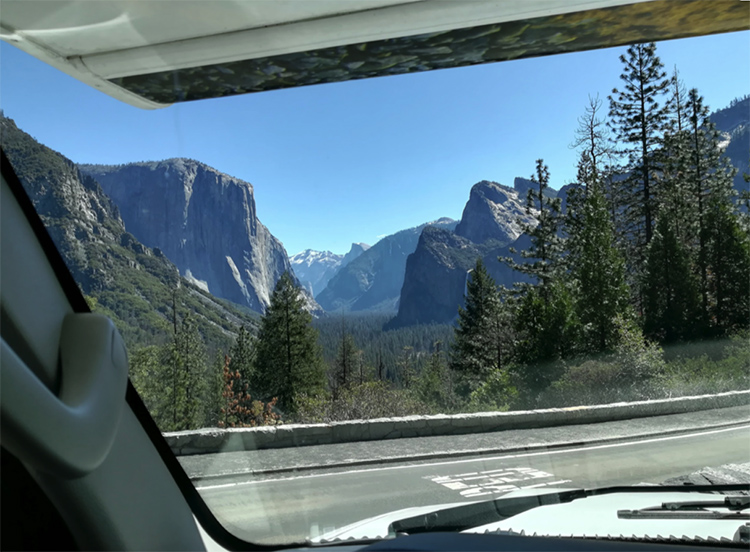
x,y
670,290
406,367
709,181
288,361
547,332
674,161
242,356
546,250
186,378
147,375
346,365
482,341
435,385
598,270
638,120
677,103
728,258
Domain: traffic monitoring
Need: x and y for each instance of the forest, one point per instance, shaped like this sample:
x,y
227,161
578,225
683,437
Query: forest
x,y
640,288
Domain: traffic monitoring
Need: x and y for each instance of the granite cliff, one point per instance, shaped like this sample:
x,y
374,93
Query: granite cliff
x,y
203,220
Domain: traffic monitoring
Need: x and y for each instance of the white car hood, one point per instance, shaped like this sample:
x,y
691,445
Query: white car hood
x,y
595,516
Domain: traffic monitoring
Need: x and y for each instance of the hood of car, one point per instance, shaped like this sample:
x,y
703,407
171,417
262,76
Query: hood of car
x,y
588,517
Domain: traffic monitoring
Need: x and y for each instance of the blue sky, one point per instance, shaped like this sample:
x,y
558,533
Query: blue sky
x,y
352,162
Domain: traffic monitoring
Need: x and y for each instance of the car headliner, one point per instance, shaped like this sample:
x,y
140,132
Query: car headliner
x,y
152,54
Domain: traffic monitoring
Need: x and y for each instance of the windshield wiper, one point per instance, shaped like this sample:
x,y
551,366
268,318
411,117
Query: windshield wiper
x,y
696,509
460,518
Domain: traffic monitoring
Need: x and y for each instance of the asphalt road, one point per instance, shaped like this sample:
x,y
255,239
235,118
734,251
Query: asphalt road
x,y
284,508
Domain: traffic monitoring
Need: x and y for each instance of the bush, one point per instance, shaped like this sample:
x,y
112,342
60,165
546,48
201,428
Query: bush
x,y
702,375
628,374
496,393
373,399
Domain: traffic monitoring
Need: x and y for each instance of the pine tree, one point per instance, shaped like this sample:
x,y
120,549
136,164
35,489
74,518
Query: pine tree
x,y
709,181
186,378
727,246
674,160
546,250
346,365
289,360
548,331
236,403
406,366
598,270
482,341
242,355
435,385
670,290
638,120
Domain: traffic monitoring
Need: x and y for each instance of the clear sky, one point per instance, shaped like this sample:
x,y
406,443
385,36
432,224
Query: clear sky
x,y
355,161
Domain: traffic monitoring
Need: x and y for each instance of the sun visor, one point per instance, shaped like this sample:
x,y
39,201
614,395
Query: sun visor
x,y
394,39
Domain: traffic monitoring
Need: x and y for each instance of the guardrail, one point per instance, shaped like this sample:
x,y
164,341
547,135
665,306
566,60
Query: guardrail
x,y
212,440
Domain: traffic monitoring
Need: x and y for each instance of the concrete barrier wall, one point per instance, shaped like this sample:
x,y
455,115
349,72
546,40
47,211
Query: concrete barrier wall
x,y
213,440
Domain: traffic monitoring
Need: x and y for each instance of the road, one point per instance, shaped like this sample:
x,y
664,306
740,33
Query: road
x,y
283,508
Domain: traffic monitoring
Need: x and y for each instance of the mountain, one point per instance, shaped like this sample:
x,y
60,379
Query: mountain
x,y
523,185
372,281
203,220
493,212
734,124
355,251
436,273
315,268
133,284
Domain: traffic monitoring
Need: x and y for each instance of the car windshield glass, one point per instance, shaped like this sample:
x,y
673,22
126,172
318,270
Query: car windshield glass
x,y
360,302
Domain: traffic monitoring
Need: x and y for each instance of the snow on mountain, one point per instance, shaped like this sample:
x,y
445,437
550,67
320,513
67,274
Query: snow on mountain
x,y
315,268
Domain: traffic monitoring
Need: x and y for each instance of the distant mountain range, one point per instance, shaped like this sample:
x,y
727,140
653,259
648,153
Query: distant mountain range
x,y
373,281
734,124
140,230
436,273
315,268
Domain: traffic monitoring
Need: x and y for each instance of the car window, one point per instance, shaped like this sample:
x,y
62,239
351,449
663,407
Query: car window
x,y
357,303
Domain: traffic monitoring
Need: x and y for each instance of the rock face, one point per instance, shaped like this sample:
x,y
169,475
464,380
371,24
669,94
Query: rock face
x,y
734,124
493,212
130,282
523,185
436,273
203,220
355,251
315,268
373,281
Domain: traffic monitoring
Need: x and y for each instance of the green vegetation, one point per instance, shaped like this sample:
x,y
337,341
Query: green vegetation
x,y
657,258
288,361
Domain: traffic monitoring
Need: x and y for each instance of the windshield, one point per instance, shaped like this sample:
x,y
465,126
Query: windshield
x,y
388,296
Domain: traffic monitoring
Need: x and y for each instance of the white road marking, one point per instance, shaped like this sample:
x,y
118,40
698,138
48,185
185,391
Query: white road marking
x,y
558,482
507,480
481,459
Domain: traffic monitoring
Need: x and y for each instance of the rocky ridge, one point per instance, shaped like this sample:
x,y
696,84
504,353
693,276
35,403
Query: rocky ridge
x,y
373,281
315,268
135,285
204,221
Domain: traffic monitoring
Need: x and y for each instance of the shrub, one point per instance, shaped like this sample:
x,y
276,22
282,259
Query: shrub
x,y
373,399
496,393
